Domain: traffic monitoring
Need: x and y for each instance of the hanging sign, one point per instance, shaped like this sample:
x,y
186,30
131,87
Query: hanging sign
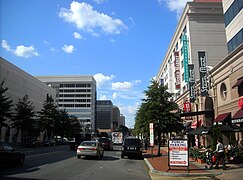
x,y
192,83
185,55
177,71
203,73
151,131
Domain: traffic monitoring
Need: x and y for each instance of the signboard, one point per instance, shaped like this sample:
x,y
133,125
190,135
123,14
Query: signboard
x,y
185,55
178,153
187,107
240,103
177,71
151,131
203,73
192,83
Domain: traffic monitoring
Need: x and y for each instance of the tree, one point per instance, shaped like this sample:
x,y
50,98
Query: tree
x,y
158,108
75,127
24,118
5,107
48,116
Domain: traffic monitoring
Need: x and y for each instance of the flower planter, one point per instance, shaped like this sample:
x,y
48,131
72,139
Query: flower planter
x,y
201,161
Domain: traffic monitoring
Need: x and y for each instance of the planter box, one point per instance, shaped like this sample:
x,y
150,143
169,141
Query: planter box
x,y
201,161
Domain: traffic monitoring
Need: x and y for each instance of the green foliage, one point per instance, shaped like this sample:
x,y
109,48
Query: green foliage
x,y
24,118
157,108
5,106
216,134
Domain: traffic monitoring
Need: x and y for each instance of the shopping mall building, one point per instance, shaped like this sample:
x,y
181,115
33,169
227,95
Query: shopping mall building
x,y
203,65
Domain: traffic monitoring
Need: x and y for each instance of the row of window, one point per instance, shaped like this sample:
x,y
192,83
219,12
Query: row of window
x,y
75,85
235,41
74,105
74,95
74,100
233,10
79,110
75,90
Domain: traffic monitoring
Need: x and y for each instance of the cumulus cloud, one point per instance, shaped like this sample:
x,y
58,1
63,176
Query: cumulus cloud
x,y
174,5
77,35
21,51
103,80
85,18
68,48
103,97
122,86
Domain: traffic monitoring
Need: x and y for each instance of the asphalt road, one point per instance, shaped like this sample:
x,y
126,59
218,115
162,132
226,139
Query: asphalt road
x,y
61,163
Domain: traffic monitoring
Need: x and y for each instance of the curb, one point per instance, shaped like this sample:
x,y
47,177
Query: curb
x,y
152,170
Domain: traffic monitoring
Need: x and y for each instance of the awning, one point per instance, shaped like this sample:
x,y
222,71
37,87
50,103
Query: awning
x,y
239,82
238,117
201,130
223,117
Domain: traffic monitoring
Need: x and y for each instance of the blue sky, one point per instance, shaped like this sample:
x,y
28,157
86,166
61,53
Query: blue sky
x,y
120,42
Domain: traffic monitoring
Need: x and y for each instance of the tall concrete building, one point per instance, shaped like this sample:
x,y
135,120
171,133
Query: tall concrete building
x,y
200,29
122,120
77,95
19,84
116,117
104,116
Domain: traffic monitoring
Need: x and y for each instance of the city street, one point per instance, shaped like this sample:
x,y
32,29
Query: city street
x,y
61,163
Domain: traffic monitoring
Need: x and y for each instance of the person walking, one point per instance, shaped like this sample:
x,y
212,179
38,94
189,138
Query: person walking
x,y
220,154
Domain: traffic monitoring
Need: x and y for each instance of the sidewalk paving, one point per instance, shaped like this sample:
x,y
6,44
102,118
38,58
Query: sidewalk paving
x,y
158,167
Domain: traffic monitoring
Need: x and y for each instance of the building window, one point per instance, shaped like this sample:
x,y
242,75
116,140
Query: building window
x,y
223,91
182,77
233,10
240,90
235,41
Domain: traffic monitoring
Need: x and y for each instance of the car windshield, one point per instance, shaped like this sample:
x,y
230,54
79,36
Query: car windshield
x,y
101,140
132,142
86,143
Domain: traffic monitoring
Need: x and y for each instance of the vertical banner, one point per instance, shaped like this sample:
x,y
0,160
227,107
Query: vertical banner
x,y
177,71
185,54
203,73
151,131
192,83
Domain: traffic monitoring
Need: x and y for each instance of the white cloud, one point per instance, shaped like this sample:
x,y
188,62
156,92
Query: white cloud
x,y
68,49
114,96
100,1
84,17
175,5
102,80
5,45
21,51
103,97
122,85
77,35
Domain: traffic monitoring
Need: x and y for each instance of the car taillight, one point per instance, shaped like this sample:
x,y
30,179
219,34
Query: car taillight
x,y
93,149
80,149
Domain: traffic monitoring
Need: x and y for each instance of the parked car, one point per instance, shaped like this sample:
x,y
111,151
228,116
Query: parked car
x,y
90,148
106,143
132,147
9,155
52,142
46,142
34,142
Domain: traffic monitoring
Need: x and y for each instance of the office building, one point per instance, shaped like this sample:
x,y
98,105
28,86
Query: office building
x,y
116,117
19,84
77,95
104,116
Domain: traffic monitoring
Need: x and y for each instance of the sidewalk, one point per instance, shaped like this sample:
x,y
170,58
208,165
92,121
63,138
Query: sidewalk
x,y
159,166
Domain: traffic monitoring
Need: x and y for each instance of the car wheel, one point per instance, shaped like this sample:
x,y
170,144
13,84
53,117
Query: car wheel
x,y
78,156
21,161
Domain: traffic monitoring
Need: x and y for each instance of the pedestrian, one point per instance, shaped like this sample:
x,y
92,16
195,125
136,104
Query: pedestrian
x,y
220,154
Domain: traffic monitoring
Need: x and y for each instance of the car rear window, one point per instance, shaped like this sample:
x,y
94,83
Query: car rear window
x,y
85,143
132,142
101,140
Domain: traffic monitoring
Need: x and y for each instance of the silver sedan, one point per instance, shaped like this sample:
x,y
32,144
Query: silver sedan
x,y
90,148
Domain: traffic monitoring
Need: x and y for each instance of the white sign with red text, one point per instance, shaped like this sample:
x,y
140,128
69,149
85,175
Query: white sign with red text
x,y
151,130
178,153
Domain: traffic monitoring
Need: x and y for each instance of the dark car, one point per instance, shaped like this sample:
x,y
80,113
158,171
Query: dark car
x,y
106,143
9,155
132,147
34,142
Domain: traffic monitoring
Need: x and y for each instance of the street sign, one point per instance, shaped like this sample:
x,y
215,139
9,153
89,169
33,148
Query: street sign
x,y
151,131
178,153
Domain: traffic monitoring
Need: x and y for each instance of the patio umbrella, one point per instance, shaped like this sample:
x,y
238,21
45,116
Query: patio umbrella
x,y
227,128
200,131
